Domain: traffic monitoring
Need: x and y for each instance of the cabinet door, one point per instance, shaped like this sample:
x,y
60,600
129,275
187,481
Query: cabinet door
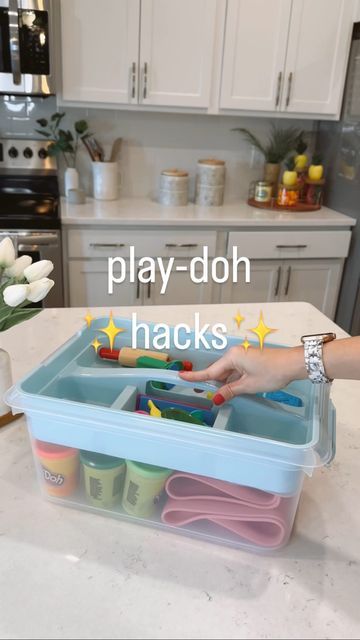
x,y
180,290
314,281
176,51
264,283
100,42
88,286
254,54
319,41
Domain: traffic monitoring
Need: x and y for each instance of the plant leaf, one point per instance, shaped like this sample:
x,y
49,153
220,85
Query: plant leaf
x,y
42,122
43,133
57,116
251,139
20,316
81,126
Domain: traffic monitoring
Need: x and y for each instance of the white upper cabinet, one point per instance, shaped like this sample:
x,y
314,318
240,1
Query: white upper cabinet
x,y
254,54
100,46
286,55
176,52
318,46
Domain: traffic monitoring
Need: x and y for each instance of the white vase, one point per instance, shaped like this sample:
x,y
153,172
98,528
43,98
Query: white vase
x,y
5,381
71,179
105,180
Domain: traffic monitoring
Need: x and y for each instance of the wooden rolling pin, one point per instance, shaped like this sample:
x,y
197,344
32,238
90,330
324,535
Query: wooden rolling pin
x,y
127,357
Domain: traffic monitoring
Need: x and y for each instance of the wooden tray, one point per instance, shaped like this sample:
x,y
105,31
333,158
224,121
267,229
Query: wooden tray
x,y
274,206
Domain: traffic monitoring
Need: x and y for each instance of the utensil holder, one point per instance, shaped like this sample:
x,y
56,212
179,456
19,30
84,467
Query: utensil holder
x,y
105,180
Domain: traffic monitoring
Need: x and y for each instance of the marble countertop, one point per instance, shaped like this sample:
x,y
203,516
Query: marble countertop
x,y
71,574
145,212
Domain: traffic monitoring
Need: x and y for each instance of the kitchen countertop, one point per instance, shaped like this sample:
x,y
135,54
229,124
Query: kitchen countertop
x,y
66,573
135,212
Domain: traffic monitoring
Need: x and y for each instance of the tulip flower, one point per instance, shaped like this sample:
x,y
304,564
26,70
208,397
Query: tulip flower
x,y
17,269
38,270
15,294
7,253
39,289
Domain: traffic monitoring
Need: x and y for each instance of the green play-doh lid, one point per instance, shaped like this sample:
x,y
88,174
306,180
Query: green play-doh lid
x,y
100,460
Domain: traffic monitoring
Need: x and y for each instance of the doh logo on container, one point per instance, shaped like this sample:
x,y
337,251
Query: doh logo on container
x,y
55,479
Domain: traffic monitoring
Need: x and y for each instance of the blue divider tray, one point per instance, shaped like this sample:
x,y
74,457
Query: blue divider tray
x,y
76,399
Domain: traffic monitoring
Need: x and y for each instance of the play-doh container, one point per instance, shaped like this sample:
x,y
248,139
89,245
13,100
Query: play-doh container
x,y
144,485
58,468
104,478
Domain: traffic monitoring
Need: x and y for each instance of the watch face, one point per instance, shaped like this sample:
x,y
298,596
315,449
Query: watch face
x,y
325,337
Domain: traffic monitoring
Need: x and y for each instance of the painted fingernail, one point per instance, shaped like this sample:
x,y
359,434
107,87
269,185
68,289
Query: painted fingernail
x,y
187,365
218,399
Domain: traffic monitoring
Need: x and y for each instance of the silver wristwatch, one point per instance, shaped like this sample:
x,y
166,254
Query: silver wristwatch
x,y
313,354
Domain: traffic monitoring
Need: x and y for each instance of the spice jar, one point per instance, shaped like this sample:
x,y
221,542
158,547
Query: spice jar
x,y
263,191
288,196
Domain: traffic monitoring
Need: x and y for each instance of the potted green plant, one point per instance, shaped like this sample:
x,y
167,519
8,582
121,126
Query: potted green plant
x,y
281,141
64,143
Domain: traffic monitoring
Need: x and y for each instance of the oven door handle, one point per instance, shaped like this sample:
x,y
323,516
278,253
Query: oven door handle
x,y
14,46
35,242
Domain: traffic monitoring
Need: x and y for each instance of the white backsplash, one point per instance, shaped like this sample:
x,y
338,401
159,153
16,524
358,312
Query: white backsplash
x,y
152,142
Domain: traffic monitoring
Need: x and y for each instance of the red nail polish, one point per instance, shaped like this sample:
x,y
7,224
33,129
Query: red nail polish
x,y
218,399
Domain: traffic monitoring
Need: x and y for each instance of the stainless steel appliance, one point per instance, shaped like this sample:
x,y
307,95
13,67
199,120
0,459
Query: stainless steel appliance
x,y
26,47
339,143
29,206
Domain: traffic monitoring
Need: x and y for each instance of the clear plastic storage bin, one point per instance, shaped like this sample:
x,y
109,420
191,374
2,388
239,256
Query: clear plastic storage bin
x,y
232,475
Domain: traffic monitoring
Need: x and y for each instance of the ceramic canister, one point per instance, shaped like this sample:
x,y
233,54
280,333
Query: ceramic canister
x,y
211,172
207,196
174,185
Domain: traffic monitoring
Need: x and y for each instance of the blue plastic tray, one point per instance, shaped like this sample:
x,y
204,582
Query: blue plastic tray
x,y
76,399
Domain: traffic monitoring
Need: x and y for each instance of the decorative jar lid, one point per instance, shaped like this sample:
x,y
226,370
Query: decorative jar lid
x,y
175,173
212,162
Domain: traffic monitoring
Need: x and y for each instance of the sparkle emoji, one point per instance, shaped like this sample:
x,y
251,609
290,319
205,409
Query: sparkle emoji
x,y
239,319
89,318
96,344
111,331
262,330
246,344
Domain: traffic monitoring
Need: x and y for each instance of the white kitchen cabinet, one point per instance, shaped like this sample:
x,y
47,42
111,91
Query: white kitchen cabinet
x,y
286,55
100,46
314,281
254,54
152,52
181,289
176,52
317,53
88,286
264,285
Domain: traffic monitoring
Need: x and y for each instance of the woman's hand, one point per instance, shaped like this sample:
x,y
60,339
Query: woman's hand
x,y
252,371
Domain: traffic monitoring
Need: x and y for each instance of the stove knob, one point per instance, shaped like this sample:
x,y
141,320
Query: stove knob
x,y
13,152
43,153
28,153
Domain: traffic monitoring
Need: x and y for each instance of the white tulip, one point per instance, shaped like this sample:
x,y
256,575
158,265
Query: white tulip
x,y
7,253
15,294
38,270
17,269
39,289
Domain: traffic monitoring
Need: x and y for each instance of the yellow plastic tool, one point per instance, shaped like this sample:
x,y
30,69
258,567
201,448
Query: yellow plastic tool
x,y
154,411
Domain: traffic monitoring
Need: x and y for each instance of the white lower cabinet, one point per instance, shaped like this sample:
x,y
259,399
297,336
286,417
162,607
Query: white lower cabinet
x,y
180,290
88,286
313,281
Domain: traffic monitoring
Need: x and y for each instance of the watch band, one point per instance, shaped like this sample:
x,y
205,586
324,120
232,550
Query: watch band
x,y
313,355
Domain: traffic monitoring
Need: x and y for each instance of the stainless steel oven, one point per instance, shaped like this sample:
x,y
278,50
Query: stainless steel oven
x,y
29,207
26,47
41,245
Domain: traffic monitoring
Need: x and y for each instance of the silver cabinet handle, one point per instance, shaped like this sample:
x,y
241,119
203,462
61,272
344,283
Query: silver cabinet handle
x,y
145,81
276,292
190,245
288,281
277,101
289,88
291,246
14,40
133,80
149,290
106,245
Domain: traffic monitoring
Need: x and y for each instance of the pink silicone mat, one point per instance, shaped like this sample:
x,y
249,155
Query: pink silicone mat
x,y
258,517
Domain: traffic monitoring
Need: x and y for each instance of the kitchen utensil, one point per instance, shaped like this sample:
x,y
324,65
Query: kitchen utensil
x,y
115,149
